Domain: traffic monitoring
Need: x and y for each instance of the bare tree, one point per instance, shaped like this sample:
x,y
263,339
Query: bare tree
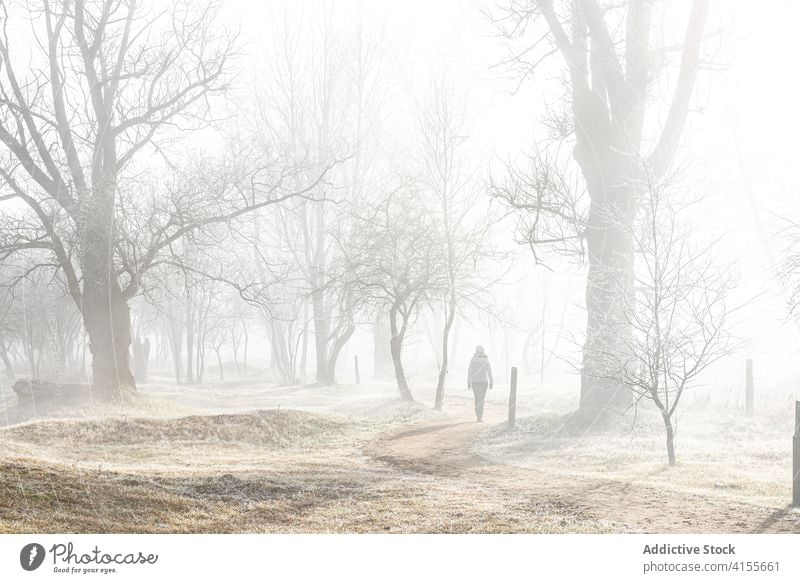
x,y
395,265
40,328
676,309
73,167
141,68
319,102
613,56
462,222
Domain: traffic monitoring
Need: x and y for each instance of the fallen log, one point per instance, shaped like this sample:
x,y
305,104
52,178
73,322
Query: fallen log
x,y
39,390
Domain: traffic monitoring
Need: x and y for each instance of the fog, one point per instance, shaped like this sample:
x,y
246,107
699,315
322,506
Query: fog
x,y
368,214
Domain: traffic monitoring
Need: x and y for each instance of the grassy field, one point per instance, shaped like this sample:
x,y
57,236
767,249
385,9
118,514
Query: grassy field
x,y
719,453
249,457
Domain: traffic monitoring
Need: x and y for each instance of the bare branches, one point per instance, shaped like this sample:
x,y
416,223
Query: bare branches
x,y
608,55
395,257
675,307
791,267
48,225
659,159
549,201
140,70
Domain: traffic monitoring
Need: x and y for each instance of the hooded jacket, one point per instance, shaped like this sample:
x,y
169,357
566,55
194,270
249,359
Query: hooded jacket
x,y
480,371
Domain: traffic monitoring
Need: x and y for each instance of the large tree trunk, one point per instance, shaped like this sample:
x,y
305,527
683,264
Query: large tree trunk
x,y
9,366
396,350
105,310
141,355
108,323
610,252
610,172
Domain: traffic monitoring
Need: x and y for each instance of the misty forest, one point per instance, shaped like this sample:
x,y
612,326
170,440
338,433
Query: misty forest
x,y
346,266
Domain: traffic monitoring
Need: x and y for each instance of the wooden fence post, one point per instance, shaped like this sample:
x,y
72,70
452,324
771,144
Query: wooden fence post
x,y
512,399
748,398
358,374
796,457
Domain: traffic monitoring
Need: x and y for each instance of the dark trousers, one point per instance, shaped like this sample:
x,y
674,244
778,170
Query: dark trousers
x,y
479,391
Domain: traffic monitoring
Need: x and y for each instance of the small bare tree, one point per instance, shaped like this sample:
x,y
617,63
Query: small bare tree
x,y
395,265
459,213
676,309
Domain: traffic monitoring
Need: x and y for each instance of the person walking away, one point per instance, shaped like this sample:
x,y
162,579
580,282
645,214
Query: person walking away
x,y
479,379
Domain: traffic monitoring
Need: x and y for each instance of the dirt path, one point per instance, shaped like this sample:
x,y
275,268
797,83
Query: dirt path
x,y
445,449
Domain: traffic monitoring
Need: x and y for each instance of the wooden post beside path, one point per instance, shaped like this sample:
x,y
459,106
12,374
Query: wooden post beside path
x,y
748,397
796,457
512,399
